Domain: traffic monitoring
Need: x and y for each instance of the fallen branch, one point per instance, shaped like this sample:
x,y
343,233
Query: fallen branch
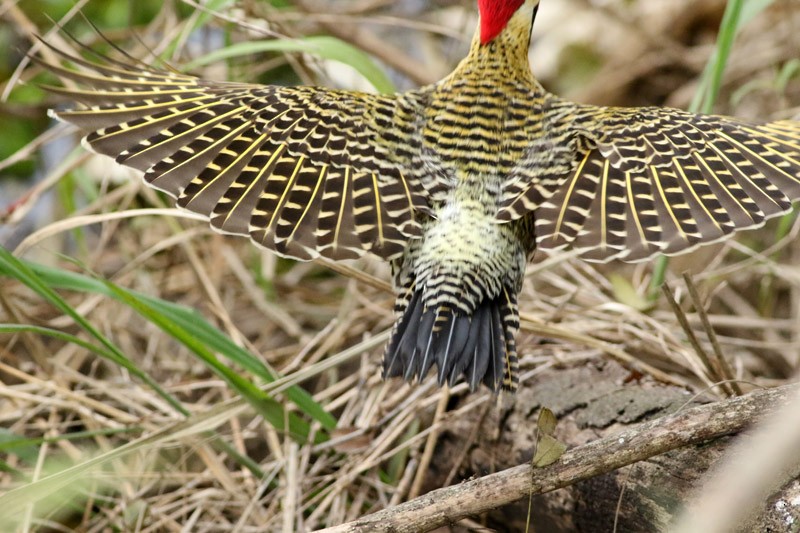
x,y
768,459
692,426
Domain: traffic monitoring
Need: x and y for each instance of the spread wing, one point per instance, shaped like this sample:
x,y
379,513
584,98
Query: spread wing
x,y
647,181
302,171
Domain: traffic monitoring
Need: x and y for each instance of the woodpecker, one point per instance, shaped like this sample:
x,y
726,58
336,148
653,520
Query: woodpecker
x,y
456,184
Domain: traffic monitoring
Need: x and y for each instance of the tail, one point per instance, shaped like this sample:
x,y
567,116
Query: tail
x,y
479,346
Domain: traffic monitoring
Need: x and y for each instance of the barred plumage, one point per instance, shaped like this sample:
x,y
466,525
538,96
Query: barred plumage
x,y
456,183
655,180
302,171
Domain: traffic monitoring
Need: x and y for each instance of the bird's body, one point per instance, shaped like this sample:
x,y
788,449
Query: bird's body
x,y
458,283
456,184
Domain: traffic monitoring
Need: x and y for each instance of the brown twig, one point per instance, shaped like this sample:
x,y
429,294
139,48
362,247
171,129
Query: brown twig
x,y
430,444
721,364
766,460
693,426
715,376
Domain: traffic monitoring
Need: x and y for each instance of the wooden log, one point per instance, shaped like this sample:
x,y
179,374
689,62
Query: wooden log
x,y
594,402
637,450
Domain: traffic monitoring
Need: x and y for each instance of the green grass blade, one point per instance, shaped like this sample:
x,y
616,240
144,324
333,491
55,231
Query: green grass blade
x,y
201,331
14,268
12,329
269,409
10,445
198,20
237,382
322,46
40,489
737,14
27,448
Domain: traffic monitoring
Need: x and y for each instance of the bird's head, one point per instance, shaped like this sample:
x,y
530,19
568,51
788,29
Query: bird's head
x,y
496,15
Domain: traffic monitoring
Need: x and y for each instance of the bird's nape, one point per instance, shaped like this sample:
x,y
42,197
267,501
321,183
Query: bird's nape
x,y
496,14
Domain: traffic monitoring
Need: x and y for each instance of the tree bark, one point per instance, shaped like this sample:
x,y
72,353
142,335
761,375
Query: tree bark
x,y
636,451
594,402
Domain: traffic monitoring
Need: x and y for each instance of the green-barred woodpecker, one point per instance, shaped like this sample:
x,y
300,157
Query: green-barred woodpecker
x,y
456,183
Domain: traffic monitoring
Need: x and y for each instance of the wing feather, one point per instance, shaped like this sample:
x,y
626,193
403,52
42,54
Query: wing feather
x,y
645,181
300,170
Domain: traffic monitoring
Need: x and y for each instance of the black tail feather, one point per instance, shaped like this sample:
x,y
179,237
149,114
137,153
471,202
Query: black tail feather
x,y
480,347
400,352
477,347
462,331
497,351
425,347
449,356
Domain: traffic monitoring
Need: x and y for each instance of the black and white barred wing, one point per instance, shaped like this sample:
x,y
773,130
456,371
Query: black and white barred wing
x,y
303,171
648,181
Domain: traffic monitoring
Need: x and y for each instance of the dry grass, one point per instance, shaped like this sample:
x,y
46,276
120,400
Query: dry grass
x,y
161,470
